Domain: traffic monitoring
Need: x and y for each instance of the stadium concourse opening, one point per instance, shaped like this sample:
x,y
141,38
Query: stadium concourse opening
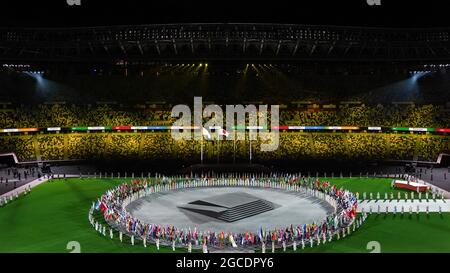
x,y
86,138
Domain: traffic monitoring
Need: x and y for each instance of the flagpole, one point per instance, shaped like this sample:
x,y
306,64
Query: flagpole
x,y
234,150
218,149
250,148
201,150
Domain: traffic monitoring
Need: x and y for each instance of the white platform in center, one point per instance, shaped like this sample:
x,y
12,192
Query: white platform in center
x,y
292,208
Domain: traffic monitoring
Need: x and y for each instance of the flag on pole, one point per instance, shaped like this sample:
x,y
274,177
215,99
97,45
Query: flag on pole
x,y
223,132
260,234
206,133
231,239
103,207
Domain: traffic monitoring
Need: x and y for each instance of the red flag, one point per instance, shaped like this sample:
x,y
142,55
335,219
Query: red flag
x,y
102,208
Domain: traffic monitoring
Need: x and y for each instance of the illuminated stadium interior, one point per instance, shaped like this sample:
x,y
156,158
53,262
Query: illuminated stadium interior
x,y
363,108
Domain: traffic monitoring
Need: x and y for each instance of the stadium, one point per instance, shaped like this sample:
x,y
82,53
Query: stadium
x,y
89,160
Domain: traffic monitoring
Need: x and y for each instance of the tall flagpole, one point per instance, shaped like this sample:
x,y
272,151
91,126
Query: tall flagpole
x,y
201,150
218,149
234,150
250,148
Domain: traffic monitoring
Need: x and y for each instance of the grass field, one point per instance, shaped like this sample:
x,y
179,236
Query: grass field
x,y
370,185
396,233
55,213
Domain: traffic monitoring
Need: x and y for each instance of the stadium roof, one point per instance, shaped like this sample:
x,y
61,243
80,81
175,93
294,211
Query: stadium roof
x,y
218,41
398,13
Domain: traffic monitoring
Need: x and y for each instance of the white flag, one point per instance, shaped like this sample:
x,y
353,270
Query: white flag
x,y
233,243
206,133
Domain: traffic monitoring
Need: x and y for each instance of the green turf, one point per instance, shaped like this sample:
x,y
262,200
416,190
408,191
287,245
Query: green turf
x,y
371,185
396,233
55,213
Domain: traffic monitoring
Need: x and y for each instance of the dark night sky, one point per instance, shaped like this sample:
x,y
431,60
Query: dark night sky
x,y
392,13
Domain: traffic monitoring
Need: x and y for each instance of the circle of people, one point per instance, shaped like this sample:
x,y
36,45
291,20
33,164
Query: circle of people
x,y
112,205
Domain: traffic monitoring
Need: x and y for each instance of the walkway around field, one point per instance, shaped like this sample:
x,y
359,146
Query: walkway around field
x,y
23,188
433,205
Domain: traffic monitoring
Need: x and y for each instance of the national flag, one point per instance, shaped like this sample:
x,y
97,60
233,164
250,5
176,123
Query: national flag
x,y
231,239
195,233
252,238
223,132
274,235
103,207
354,211
206,133
260,234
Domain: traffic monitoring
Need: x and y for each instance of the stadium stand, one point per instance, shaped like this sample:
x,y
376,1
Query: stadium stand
x,y
293,146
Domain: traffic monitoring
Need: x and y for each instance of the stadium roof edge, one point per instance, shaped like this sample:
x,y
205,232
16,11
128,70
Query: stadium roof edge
x,y
285,25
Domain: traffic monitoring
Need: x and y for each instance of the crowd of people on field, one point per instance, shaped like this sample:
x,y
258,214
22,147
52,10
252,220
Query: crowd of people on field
x,y
112,207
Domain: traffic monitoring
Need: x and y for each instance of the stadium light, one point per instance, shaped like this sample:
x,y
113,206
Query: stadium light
x,y
419,74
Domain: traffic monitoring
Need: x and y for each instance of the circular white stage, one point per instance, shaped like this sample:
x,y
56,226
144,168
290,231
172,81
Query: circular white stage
x,y
288,208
